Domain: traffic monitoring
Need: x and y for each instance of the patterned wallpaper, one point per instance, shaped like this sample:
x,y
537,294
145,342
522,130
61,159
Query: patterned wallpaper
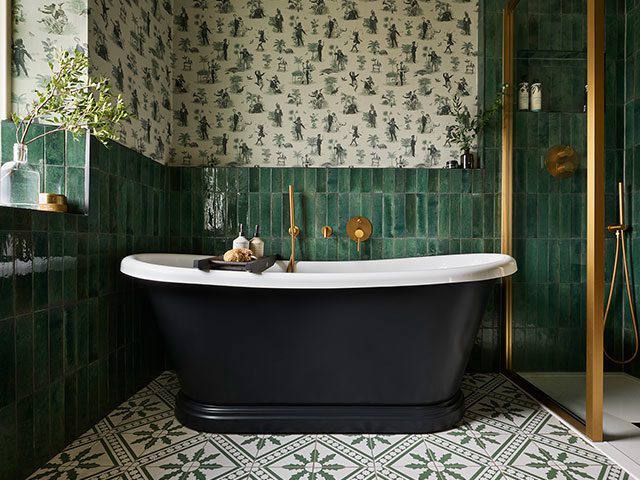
x,y
268,82
321,82
131,43
39,28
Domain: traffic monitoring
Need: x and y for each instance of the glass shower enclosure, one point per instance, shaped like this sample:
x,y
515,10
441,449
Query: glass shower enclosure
x,y
553,199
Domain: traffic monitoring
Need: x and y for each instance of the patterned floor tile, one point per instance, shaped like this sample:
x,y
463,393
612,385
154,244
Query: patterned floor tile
x,y
505,435
532,451
252,444
155,435
481,438
506,411
316,460
562,471
289,454
201,460
414,461
313,474
553,429
387,447
271,453
139,408
426,460
347,450
80,462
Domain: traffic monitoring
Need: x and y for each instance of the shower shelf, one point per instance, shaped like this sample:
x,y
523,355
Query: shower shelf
x,y
557,55
564,112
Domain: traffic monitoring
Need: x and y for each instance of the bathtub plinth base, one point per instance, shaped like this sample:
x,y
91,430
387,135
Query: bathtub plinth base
x,y
319,418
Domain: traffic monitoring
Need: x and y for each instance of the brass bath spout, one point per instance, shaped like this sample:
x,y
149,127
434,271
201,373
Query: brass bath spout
x,y
294,231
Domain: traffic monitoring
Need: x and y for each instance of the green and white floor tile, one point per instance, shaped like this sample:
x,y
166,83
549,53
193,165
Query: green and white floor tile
x,y
504,435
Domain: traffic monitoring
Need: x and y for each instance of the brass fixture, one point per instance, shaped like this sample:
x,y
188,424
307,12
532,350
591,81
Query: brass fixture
x,y
359,230
294,231
619,230
561,161
52,202
327,231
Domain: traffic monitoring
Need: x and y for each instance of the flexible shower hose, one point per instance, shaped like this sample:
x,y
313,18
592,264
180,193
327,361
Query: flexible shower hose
x,y
620,241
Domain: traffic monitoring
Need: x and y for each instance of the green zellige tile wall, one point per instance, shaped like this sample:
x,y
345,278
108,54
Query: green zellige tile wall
x,y
550,214
76,338
60,159
632,170
414,212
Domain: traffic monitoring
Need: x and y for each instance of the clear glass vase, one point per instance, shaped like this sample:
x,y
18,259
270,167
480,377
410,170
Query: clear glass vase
x,y
19,181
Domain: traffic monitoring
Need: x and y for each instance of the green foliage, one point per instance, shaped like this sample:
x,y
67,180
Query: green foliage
x,y
73,101
465,130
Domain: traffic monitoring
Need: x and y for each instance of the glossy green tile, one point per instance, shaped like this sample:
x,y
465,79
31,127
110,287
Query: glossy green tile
x,y
23,279
7,362
24,437
24,355
40,349
8,427
54,148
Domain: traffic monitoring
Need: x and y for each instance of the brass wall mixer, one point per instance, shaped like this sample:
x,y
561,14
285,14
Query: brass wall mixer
x,y
359,230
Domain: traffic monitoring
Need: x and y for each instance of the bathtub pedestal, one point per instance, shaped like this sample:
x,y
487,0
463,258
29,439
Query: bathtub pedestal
x,y
319,419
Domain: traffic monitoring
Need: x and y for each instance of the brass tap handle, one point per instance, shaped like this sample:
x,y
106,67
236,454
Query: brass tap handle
x,y
359,233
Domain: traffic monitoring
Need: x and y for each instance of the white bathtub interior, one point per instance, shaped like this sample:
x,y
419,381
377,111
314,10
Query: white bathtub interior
x,y
178,268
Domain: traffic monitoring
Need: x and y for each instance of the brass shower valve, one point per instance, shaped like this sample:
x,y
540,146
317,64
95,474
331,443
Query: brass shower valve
x,y
359,230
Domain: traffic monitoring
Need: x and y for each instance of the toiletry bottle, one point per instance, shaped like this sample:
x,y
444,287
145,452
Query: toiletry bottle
x,y
241,241
523,96
536,96
256,245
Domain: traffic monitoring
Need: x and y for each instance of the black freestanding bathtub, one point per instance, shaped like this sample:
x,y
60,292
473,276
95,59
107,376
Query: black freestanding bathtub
x,y
368,346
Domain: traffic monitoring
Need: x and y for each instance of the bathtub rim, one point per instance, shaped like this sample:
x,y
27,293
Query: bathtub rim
x,y
495,266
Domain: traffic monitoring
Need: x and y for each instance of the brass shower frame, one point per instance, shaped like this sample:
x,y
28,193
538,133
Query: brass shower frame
x,y
591,426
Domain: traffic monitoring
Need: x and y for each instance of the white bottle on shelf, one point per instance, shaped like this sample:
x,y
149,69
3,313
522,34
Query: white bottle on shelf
x,y
523,96
536,96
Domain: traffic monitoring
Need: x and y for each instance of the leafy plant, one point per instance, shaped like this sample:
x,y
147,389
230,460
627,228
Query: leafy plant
x,y
73,101
466,129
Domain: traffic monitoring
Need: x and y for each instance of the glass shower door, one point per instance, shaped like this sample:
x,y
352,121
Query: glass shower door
x,y
549,185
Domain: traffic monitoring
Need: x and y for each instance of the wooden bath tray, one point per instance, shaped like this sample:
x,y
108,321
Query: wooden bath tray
x,y
258,265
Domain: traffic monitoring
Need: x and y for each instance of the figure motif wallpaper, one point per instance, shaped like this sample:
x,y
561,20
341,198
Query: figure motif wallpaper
x,y
39,29
128,42
339,83
131,43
